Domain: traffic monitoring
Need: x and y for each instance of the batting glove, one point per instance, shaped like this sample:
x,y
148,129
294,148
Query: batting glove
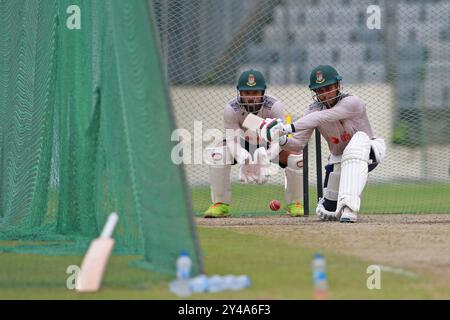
x,y
269,129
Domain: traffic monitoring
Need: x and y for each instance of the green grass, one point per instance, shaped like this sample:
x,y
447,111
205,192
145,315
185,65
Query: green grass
x,y
376,198
277,270
407,198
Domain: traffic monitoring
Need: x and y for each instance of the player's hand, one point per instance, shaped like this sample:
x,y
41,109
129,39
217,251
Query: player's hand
x,y
246,174
246,170
271,129
283,140
268,128
285,129
257,171
243,156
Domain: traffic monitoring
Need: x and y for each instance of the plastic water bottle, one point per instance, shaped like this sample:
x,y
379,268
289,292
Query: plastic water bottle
x,y
244,281
235,283
184,265
228,281
216,283
319,277
181,286
199,284
240,282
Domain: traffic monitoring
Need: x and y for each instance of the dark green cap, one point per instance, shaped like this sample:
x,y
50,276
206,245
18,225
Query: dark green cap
x,y
251,80
322,76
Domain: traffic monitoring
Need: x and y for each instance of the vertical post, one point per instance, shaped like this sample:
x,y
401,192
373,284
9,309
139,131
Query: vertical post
x,y
319,165
305,181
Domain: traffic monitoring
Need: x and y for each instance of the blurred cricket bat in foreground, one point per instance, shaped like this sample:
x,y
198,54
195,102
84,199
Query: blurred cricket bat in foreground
x,y
94,262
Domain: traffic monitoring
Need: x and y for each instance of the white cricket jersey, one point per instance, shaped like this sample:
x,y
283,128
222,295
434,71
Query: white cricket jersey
x,y
337,124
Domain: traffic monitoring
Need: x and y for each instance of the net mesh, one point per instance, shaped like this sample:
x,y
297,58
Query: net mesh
x,y
78,111
400,68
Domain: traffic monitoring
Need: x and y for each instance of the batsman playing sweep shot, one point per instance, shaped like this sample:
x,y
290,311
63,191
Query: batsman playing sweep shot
x,y
251,99
342,121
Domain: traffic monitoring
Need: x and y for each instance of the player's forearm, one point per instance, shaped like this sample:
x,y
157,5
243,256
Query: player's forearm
x,y
310,121
291,145
318,118
297,142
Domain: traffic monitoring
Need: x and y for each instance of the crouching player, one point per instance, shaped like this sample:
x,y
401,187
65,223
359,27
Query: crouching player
x,y
355,150
251,98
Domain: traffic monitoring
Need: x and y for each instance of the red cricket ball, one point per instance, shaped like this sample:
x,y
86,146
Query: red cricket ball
x,y
275,205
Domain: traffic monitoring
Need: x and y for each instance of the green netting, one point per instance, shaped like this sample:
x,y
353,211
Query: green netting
x,y
85,130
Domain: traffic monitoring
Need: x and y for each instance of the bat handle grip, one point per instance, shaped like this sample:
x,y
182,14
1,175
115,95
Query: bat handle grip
x,y
110,225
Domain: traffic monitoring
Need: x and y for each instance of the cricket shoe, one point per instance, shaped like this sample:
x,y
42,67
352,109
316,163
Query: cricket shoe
x,y
218,210
323,213
295,209
348,215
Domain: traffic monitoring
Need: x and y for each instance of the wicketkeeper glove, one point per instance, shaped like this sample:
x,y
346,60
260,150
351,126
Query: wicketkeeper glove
x,y
243,156
247,173
262,161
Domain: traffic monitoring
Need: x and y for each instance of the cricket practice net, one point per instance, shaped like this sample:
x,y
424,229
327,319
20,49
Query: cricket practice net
x,y
85,130
392,54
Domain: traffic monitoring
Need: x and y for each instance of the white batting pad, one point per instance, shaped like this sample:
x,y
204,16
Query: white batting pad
x,y
354,171
219,178
219,174
293,188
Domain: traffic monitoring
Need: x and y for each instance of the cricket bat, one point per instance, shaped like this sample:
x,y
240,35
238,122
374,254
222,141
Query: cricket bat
x,y
252,123
94,263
